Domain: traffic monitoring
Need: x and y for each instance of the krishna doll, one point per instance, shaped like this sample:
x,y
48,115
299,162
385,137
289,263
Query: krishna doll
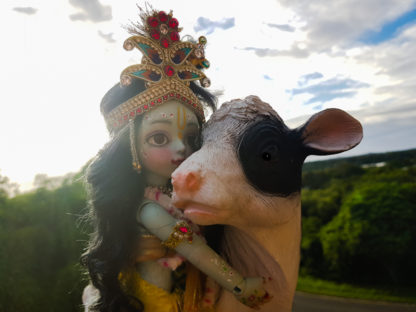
x,y
143,254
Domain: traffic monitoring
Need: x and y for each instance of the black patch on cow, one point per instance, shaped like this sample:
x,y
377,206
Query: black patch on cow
x,y
271,156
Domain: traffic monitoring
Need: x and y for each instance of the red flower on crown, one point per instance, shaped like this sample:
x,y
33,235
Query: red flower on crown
x,y
164,28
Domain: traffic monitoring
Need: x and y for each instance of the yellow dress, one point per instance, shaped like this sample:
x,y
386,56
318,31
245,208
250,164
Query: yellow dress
x,y
153,298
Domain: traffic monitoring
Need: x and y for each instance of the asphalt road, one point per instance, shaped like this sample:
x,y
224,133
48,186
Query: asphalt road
x,y
312,303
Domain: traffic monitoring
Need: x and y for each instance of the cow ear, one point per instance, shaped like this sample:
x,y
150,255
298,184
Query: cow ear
x,y
331,131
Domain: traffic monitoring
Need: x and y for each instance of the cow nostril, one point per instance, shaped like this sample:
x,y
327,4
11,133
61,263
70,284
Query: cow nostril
x,y
192,181
188,182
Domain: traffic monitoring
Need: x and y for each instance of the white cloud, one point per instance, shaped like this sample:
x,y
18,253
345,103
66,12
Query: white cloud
x,y
107,37
205,24
26,10
282,27
342,22
55,71
90,10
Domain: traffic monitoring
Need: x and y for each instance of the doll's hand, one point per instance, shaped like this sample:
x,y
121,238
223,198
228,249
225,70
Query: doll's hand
x,y
149,248
252,292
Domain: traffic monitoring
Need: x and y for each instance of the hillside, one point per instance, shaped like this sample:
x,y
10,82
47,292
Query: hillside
x,y
399,159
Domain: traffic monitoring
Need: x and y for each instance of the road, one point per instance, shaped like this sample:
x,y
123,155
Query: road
x,y
312,303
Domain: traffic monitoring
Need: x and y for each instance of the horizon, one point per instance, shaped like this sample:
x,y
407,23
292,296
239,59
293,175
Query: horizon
x,y
310,159
61,57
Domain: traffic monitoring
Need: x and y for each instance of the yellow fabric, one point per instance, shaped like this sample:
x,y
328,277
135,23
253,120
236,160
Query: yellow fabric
x,y
193,290
154,299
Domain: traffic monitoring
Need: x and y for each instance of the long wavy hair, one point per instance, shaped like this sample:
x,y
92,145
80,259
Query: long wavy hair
x,y
114,191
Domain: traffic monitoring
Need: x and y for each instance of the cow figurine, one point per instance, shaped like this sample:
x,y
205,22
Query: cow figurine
x,y
247,176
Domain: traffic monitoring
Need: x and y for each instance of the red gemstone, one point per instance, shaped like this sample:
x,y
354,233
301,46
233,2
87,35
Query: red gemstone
x,y
173,23
183,99
178,95
132,114
159,100
125,117
169,71
165,97
164,42
171,94
174,36
162,16
146,107
155,34
194,105
152,104
183,229
139,110
152,21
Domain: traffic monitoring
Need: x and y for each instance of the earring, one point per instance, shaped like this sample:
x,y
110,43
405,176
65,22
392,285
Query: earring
x,y
135,158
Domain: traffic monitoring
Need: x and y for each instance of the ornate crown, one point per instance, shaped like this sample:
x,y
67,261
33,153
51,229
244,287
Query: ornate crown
x,y
168,65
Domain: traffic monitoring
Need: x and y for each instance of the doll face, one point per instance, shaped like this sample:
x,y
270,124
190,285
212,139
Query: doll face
x,y
167,135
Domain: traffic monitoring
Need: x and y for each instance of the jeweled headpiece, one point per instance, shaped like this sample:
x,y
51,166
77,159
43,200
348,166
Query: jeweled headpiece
x,y
168,66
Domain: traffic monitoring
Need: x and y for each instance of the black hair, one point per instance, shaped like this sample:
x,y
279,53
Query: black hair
x,y
115,191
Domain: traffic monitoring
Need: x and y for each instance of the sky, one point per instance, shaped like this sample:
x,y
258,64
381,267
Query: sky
x,y
59,57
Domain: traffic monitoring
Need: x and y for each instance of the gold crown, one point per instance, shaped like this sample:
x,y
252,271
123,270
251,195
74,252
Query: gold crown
x,y
168,66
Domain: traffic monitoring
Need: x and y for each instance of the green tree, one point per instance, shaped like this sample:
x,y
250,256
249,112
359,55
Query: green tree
x,y
40,246
373,236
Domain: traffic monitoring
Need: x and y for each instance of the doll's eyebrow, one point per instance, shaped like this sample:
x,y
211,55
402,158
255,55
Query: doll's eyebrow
x,y
166,121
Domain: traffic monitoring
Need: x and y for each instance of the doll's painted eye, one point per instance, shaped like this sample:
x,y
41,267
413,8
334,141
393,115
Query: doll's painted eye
x,y
158,139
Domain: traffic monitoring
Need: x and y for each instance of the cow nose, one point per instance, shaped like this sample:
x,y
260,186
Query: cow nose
x,y
189,182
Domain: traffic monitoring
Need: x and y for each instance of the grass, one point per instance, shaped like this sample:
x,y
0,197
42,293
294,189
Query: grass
x,y
317,286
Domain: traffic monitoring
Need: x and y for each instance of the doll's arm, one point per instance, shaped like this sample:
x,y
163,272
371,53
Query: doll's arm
x,y
178,235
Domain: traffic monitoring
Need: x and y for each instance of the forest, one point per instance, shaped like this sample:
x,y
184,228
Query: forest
x,y
358,223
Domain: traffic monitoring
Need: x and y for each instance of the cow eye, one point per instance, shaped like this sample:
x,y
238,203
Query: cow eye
x,y
270,158
270,153
266,156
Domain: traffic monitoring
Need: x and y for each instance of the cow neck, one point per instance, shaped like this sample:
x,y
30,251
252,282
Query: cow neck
x,y
282,241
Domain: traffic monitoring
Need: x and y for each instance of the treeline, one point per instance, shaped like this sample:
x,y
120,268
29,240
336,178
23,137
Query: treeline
x,y
398,159
358,226
359,221
41,239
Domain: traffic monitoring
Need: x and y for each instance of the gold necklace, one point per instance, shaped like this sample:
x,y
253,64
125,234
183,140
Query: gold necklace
x,y
165,189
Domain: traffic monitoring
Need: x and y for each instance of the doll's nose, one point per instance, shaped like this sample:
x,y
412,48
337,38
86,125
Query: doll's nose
x,y
188,182
179,146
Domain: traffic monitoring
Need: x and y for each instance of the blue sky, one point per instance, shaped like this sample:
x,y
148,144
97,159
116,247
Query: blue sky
x,y
390,29
301,56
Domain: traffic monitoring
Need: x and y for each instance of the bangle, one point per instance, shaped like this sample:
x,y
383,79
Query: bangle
x,y
181,232
255,301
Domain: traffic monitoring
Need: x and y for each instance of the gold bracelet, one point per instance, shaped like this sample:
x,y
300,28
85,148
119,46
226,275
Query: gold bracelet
x,y
255,301
181,232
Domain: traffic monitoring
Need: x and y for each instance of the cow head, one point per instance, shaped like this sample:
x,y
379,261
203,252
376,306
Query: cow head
x,y
248,170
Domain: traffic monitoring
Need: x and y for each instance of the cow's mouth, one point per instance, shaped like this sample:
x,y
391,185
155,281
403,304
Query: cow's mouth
x,y
197,212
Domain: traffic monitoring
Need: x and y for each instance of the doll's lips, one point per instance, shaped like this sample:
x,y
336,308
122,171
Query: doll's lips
x,y
177,162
